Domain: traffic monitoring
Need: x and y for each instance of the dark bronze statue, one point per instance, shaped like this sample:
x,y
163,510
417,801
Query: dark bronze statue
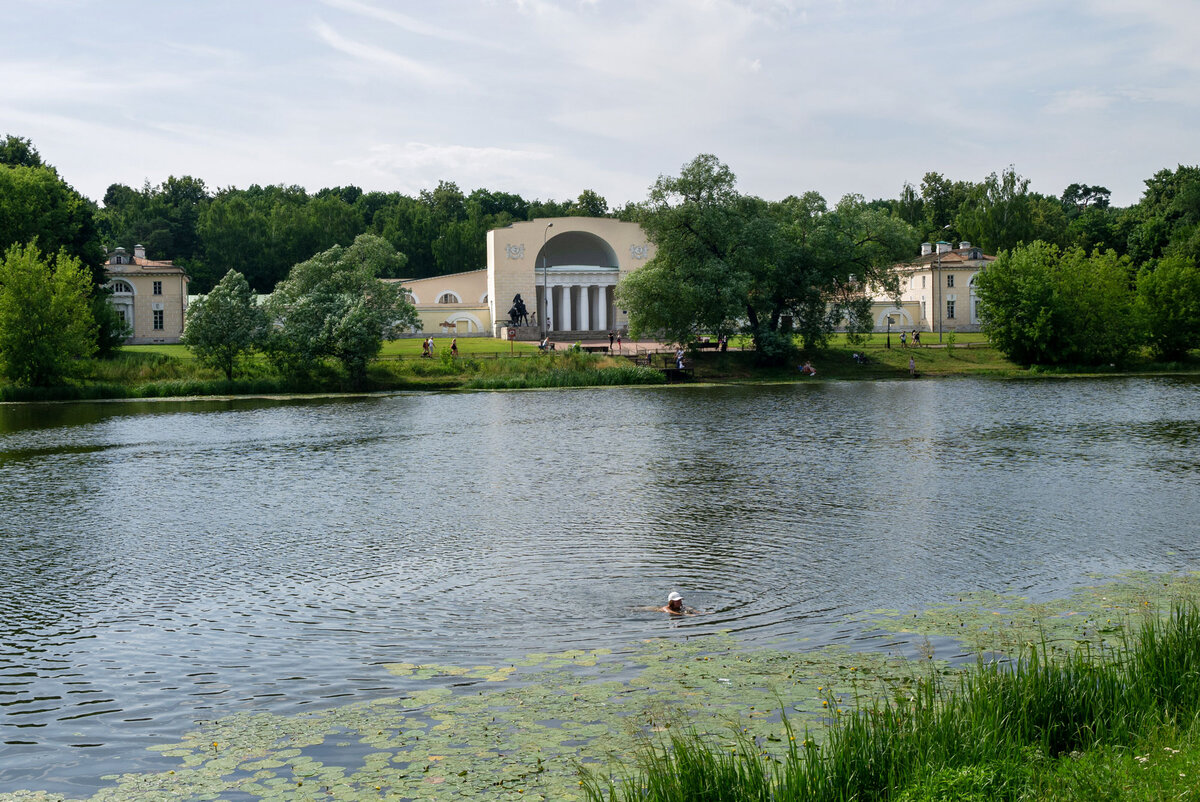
x,y
518,315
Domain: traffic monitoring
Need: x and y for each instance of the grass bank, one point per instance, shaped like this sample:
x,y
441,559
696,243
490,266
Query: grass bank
x,y
156,371
1120,723
171,371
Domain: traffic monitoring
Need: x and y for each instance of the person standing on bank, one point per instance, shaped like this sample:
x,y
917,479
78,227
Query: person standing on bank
x,y
912,367
454,347
612,335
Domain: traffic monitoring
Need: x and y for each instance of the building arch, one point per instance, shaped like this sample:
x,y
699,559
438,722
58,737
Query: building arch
x,y
572,248
464,323
122,287
905,321
448,297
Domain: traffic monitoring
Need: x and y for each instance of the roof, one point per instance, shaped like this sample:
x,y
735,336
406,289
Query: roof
x,y
140,265
952,258
145,267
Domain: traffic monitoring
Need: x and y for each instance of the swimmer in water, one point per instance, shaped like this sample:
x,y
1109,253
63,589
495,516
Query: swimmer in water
x,y
675,606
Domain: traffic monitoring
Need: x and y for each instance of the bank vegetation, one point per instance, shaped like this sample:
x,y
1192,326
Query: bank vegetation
x,y
1093,724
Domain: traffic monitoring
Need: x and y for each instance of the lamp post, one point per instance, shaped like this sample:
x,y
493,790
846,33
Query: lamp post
x,y
545,286
889,337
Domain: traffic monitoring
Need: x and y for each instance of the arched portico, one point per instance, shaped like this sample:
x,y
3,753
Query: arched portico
x,y
577,274
566,269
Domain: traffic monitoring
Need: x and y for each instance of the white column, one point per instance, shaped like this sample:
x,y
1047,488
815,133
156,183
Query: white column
x,y
585,317
602,307
565,312
550,310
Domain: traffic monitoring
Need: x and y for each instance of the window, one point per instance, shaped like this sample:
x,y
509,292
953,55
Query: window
x,y
121,316
158,288
447,298
158,318
950,309
922,282
121,286
949,279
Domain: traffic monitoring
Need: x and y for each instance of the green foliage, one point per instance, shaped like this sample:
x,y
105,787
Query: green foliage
x,y
17,151
37,206
998,213
46,321
983,739
726,261
1040,305
335,306
1168,306
111,330
225,325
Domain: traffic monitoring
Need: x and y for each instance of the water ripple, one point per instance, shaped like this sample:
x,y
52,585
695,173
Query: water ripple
x,y
167,563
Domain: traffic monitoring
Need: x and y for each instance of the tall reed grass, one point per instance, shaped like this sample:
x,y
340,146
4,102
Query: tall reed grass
x,y
983,736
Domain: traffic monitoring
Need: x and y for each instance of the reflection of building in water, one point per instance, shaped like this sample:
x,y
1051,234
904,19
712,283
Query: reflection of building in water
x,y
564,268
149,296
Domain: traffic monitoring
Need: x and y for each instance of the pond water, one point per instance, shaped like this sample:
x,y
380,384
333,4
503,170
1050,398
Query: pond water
x,y
168,563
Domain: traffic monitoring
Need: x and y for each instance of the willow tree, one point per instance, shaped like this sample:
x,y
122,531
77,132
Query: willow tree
x,y
728,262
334,306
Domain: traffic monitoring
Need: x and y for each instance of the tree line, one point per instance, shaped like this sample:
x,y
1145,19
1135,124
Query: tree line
x,y
262,231
725,260
1076,281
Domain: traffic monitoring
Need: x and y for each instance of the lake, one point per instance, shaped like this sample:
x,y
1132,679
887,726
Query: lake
x,y
165,563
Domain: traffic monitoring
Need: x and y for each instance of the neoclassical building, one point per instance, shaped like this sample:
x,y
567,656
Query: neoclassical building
x,y
937,290
150,296
564,268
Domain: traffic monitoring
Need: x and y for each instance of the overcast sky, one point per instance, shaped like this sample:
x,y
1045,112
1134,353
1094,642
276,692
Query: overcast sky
x,y
546,98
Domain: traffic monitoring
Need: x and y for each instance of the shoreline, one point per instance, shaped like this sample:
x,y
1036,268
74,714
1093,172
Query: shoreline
x,y
708,381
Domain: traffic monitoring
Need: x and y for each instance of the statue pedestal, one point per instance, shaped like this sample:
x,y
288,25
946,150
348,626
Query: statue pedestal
x,y
524,334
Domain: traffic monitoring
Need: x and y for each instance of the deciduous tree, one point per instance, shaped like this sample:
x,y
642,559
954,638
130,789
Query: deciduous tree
x,y
726,261
334,306
1040,305
225,325
1168,306
46,322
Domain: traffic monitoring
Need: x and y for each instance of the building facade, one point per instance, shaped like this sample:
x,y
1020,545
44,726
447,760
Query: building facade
x,y
149,296
937,290
565,269
454,304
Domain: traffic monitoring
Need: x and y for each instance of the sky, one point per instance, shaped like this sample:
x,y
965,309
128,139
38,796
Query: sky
x,y
546,98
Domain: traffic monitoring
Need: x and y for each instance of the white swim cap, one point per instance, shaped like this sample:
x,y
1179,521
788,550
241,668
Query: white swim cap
x,y
674,597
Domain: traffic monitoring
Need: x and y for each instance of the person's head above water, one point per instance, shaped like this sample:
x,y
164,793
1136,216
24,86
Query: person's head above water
x,y
674,601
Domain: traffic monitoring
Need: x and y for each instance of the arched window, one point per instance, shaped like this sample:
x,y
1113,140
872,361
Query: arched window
x,y
448,298
121,286
483,300
412,299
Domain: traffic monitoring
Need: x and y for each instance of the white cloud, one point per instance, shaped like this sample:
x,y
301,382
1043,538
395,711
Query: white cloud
x,y
395,63
548,97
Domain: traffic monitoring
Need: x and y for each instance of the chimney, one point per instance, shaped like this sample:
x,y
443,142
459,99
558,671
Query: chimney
x,y
926,248
139,251
962,246
943,246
